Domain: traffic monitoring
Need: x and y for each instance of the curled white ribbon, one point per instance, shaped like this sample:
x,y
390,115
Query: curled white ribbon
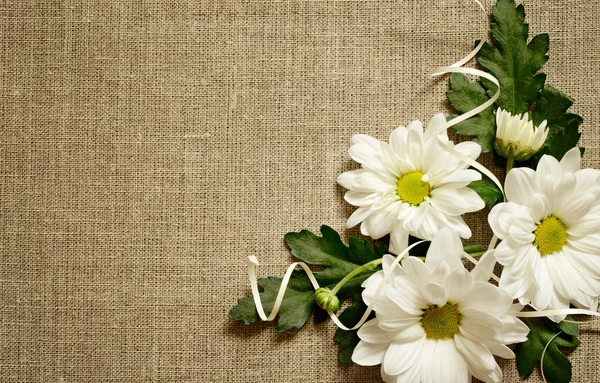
x,y
253,262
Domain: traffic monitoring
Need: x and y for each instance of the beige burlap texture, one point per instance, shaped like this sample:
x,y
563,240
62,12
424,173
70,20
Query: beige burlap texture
x,y
148,147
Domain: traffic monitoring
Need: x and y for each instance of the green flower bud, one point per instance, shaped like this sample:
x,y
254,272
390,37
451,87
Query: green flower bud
x,y
326,300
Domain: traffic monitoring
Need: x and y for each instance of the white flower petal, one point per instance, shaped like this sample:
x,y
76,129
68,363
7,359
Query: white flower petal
x,y
500,350
548,166
539,207
470,149
472,199
520,185
485,268
364,154
358,216
446,246
449,201
457,285
434,126
369,182
562,273
379,223
369,354
398,324
584,226
588,264
441,362
502,217
486,297
346,179
371,333
480,326
571,161
391,271
398,238
416,267
434,293
516,288
587,244
410,334
506,251
545,290
459,179
576,208
408,297
402,356
477,355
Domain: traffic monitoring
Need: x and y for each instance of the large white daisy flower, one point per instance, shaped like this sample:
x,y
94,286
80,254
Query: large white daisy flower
x,y
550,231
410,186
436,322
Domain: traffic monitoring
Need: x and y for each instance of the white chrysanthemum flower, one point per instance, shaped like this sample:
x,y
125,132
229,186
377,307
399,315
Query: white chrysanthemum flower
x,y
436,322
550,231
517,137
411,185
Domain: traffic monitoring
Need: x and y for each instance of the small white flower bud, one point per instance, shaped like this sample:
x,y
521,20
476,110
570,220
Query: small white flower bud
x,y
517,137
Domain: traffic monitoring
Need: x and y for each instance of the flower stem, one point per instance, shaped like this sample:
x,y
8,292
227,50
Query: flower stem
x,y
376,262
367,266
509,164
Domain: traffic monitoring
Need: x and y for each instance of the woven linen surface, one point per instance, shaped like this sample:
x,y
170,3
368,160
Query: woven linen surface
x,y
147,147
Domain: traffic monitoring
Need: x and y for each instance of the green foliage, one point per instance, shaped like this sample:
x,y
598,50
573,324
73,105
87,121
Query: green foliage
x,y
337,261
295,309
516,64
512,61
557,367
465,96
487,190
347,340
552,106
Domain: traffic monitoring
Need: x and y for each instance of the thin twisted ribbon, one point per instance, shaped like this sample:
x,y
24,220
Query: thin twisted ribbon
x,y
253,262
449,147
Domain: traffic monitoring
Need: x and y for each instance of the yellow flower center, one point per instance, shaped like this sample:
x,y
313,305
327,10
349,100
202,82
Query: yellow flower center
x,y
550,235
441,322
411,189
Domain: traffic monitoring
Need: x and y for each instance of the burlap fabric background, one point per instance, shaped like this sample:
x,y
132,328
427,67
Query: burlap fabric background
x,y
148,147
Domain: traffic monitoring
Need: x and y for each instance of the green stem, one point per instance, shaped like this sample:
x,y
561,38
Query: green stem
x,y
374,263
367,266
509,164
477,254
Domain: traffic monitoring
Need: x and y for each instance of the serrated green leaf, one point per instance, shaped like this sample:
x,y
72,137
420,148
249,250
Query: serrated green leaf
x,y
337,260
487,190
512,61
295,309
557,367
465,96
330,251
552,105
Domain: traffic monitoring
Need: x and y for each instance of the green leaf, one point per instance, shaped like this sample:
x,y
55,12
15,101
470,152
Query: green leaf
x,y
557,367
512,61
552,105
465,96
330,251
347,340
487,190
337,260
295,309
